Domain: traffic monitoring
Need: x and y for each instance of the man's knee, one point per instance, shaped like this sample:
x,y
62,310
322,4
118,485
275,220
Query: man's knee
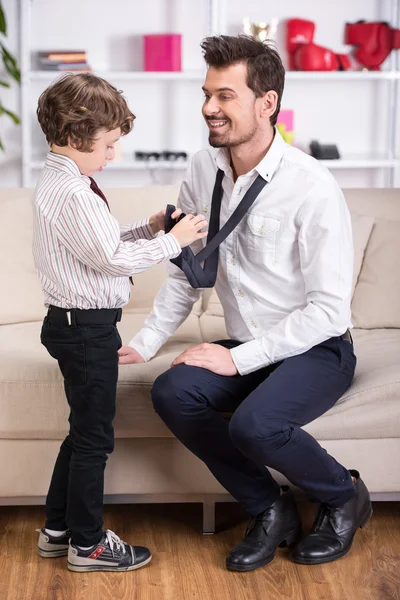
x,y
161,391
170,389
177,393
252,434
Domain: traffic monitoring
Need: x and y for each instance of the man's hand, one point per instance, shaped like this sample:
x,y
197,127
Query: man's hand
x,y
156,221
212,357
129,356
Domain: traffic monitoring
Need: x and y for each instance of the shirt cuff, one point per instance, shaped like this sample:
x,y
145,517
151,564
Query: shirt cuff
x,y
147,343
169,245
249,357
143,228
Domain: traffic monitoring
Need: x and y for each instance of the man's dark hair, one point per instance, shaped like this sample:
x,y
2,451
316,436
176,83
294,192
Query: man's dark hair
x,y
265,71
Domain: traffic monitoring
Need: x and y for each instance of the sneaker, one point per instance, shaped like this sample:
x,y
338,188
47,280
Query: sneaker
x,y
110,554
50,546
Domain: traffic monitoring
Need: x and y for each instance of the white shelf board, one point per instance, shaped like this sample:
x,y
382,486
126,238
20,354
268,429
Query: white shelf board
x,y
200,75
359,162
341,75
127,164
126,75
130,164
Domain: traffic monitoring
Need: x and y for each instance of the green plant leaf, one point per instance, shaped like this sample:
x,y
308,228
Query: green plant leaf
x,y
12,116
4,84
2,145
10,64
3,24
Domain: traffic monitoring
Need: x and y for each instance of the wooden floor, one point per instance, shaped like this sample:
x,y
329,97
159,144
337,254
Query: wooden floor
x,y
189,566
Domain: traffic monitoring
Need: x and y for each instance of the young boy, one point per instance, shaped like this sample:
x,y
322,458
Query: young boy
x,y
84,260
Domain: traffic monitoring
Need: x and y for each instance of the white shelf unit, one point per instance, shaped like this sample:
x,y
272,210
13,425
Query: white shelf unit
x,y
127,163
217,25
30,163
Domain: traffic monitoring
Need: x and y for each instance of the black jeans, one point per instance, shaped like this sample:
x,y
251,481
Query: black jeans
x,y
270,407
88,359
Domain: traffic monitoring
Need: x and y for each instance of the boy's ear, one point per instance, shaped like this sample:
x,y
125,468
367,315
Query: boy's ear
x,y
71,144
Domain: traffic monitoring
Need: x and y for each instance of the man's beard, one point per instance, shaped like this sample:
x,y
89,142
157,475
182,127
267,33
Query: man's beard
x,y
223,141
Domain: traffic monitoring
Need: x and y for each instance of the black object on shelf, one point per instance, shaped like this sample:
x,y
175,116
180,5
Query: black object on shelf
x,y
167,155
324,151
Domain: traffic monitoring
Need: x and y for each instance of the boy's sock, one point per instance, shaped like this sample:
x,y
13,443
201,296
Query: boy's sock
x,y
54,533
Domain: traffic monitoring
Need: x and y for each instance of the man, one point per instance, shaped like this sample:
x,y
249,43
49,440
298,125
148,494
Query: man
x,y
284,281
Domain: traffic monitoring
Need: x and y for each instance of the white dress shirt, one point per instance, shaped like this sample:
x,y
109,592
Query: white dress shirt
x,y
285,273
82,255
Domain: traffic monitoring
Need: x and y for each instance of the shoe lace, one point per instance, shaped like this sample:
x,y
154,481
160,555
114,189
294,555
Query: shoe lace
x,y
324,511
262,518
115,542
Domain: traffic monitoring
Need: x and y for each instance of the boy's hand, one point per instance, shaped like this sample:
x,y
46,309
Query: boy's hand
x,y
156,221
129,356
188,230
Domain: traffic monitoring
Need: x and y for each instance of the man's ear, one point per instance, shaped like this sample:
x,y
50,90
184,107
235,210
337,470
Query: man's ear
x,y
269,103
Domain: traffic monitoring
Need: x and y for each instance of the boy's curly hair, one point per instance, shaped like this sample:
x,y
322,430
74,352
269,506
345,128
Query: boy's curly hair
x,y
77,106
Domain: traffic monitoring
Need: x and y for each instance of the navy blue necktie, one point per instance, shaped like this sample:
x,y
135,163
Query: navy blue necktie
x,y
189,262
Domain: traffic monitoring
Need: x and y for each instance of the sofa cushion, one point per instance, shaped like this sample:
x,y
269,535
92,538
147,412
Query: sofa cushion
x,y
370,409
24,299
362,228
32,404
376,302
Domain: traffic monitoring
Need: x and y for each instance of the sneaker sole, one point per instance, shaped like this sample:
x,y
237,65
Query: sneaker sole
x,y
52,553
88,568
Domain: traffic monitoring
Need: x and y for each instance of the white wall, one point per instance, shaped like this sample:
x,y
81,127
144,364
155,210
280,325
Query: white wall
x,y
168,113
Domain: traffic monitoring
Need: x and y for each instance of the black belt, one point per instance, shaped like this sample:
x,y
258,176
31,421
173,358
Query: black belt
x,y
347,336
78,316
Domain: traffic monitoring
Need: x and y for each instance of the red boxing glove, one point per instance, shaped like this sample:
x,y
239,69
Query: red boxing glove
x,y
298,33
396,39
374,40
311,57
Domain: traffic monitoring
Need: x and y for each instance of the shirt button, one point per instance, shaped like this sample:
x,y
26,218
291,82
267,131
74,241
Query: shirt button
x,y
205,209
233,260
253,324
240,292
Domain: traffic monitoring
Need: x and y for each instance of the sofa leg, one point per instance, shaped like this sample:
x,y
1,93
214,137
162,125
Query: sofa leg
x,y
208,518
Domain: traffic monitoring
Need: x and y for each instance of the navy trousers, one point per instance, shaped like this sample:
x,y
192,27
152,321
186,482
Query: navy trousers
x,y
269,408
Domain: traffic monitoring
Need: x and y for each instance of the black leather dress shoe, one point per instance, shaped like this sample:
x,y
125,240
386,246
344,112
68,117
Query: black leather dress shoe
x,y
334,528
279,525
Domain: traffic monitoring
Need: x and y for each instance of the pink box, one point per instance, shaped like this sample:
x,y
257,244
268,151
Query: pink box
x,y
162,52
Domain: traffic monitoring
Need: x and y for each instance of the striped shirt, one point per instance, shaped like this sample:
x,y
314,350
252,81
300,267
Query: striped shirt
x,y
82,255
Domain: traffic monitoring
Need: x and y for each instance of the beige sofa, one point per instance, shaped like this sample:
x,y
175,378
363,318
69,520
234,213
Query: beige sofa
x,y
149,465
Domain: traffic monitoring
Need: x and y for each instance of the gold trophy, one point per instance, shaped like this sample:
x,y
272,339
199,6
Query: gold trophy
x,y
260,31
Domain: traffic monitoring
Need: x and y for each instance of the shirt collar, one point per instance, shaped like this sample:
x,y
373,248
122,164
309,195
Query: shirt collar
x,y
266,167
62,163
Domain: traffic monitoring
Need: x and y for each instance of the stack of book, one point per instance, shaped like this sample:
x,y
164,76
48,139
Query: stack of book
x,y
63,60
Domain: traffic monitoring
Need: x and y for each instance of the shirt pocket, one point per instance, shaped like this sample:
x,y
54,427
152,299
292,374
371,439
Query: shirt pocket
x,y
262,236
